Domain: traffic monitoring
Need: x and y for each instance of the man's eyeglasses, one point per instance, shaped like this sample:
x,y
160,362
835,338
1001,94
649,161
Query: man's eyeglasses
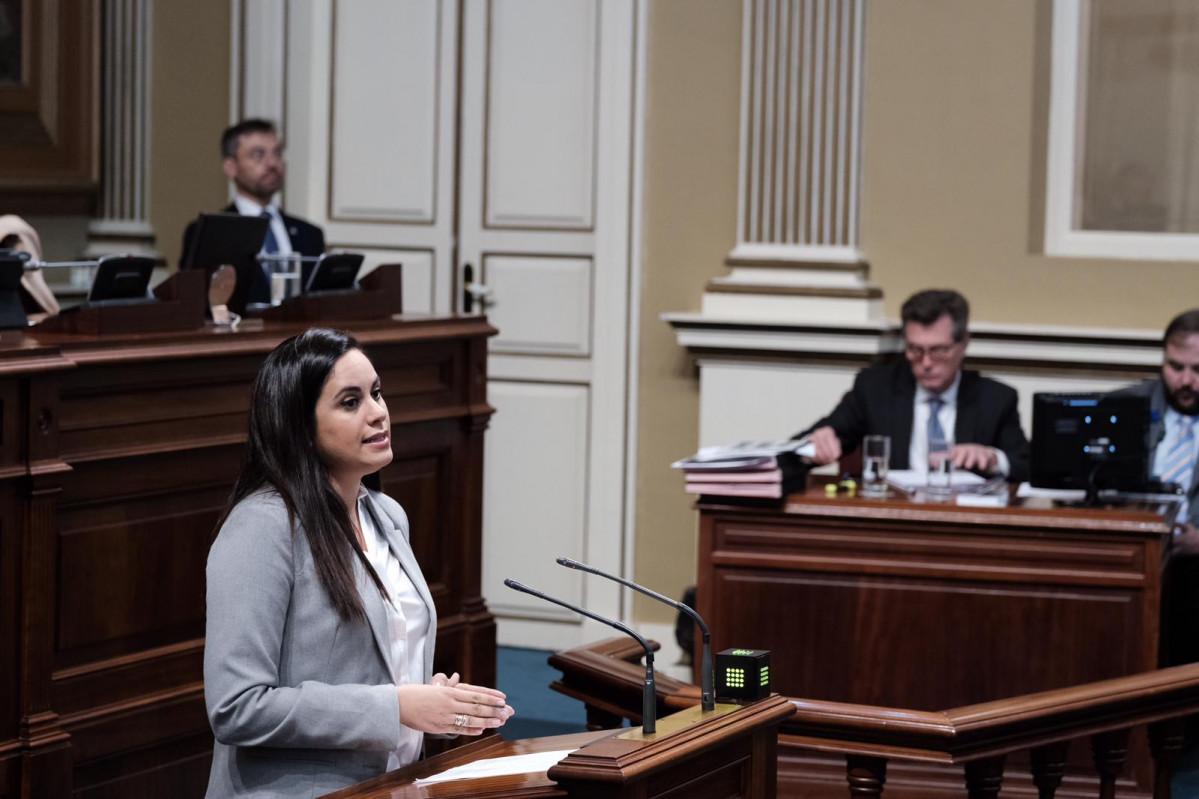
x,y
940,352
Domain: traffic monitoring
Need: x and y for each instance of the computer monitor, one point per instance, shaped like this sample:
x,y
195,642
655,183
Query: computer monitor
x,y
334,272
12,267
1090,441
121,279
231,239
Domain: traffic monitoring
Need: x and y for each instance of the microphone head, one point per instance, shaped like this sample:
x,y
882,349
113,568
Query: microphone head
x,y
508,581
567,562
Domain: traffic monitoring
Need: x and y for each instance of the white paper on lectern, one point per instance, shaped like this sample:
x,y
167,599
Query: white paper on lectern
x,y
499,767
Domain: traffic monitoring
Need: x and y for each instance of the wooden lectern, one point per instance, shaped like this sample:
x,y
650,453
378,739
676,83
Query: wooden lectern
x,y
731,751
380,295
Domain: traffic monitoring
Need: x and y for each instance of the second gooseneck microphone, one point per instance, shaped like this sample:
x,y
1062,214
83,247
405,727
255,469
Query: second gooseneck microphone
x,y
706,693
649,700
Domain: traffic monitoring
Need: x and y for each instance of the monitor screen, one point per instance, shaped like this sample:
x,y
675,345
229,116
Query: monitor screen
x,y
121,278
334,272
1090,441
235,240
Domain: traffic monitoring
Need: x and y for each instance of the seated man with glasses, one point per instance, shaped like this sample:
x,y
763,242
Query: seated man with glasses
x,y
927,404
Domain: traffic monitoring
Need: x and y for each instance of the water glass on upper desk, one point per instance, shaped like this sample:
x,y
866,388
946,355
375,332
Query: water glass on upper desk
x,y
876,457
940,479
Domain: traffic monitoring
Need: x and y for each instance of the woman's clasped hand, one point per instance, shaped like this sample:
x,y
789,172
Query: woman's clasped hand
x,y
447,705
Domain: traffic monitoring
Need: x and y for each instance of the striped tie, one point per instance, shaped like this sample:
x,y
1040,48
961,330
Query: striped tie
x,y
1180,460
271,245
936,433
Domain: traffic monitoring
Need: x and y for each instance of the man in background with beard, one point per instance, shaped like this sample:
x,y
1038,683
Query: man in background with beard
x,y
253,160
1173,438
1174,404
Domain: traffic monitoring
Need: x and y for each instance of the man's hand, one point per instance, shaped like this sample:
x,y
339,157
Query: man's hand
x,y
1186,540
828,446
974,457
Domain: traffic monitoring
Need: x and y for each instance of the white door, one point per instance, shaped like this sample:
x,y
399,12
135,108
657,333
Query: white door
x,y
371,96
547,98
520,112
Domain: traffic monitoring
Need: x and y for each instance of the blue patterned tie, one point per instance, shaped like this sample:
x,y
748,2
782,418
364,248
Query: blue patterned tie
x,y
271,245
1180,459
936,434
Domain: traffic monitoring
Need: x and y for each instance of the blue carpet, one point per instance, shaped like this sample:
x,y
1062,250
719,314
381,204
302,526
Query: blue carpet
x,y
1185,784
525,676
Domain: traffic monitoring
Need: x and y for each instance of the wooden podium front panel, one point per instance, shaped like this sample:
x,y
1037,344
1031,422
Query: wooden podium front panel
x,y
117,456
928,607
924,629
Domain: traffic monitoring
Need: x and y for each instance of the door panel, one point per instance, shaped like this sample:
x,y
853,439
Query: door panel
x,y
543,219
495,134
540,113
560,321
538,445
384,144
371,89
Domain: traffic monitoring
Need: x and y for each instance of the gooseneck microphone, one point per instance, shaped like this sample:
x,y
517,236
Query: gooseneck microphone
x,y
706,693
649,701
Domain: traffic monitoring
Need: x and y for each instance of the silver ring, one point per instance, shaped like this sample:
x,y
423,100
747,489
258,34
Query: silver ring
x,y
461,719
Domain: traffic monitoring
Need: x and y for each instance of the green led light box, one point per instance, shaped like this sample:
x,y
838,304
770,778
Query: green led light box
x,y
742,675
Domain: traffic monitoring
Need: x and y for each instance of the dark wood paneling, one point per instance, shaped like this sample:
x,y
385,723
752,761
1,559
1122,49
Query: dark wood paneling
x,y
925,645
10,604
49,120
926,607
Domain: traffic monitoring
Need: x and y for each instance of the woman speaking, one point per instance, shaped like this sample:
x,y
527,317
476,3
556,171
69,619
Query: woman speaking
x,y
320,630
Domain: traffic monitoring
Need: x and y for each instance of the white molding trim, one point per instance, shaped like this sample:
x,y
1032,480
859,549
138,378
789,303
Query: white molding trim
x,y
123,223
235,66
1081,347
798,168
797,252
263,74
1062,237
636,268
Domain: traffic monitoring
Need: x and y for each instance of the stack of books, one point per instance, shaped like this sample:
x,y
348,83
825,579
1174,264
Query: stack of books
x,y
754,470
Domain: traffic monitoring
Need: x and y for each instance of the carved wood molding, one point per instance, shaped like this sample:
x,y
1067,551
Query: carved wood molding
x,y
49,111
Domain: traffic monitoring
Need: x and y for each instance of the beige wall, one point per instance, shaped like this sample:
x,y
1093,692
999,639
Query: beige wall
x,y
190,108
953,182
956,99
691,140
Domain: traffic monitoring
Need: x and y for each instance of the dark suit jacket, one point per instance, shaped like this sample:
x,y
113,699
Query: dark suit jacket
x,y
1156,392
881,403
306,239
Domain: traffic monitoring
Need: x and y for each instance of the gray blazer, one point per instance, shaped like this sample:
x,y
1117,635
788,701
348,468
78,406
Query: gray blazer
x,y
301,702
1156,392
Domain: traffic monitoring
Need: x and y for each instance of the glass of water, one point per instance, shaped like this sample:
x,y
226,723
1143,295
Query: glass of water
x,y
940,478
876,456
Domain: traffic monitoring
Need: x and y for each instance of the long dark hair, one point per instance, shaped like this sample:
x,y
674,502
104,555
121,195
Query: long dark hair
x,y
281,453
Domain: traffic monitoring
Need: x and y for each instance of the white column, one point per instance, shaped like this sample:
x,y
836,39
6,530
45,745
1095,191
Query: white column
x,y
123,224
259,66
797,250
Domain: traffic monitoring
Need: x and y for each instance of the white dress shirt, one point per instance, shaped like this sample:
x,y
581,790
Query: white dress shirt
x,y
1173,426
407,626
247,207
948,416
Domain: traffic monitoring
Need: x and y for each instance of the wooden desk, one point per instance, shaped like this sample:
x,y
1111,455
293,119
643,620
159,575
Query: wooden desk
x,y
116,457
928,606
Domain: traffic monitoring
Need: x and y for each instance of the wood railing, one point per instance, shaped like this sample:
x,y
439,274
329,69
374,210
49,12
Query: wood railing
x,y
607,679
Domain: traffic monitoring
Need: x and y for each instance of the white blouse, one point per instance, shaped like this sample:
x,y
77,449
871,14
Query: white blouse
x,y
407,625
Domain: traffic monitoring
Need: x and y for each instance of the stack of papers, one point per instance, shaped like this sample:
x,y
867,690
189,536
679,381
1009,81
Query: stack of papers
x,y
911,480
757,469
